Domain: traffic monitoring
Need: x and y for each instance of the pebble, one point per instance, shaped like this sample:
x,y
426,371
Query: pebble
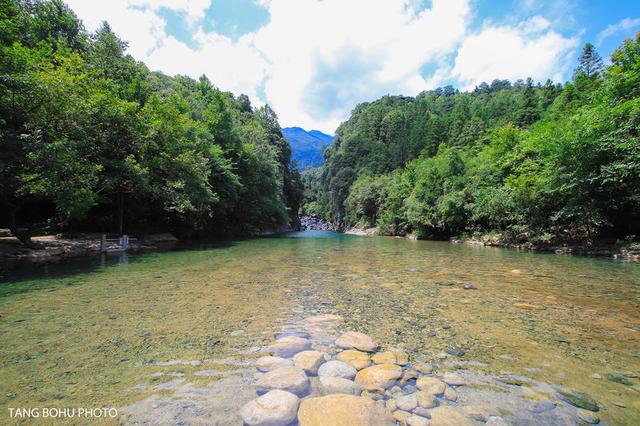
x,y
423,368
356,340
426,399
324,318
337,369
453,379
290,379
496,421
422,412
275,408
309,361
431,385
588,417
384,358
415,420
355,358
401,417
450,394
407,402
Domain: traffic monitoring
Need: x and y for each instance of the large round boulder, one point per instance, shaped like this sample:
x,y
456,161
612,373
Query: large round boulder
x,y
309,361
337,369
274,408
342,410
331,385
290,379
268,363
381,376
355,340
356,359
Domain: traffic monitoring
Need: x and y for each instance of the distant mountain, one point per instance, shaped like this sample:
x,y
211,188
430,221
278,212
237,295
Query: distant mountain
x,y
307,146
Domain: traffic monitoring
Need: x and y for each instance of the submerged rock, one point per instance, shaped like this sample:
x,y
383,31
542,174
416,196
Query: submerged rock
x,y
354,358
431,385
290,379
336,369
309,361
449,416
579,399
274,408
382,375
290,345
407,402
332,385
355,340
342,410
387,357
268,363
619,378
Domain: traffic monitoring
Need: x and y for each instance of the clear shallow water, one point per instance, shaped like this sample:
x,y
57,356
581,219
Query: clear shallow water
x,y
97,332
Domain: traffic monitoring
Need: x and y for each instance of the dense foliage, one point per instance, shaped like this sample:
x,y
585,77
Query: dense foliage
x,y
531,161
91,139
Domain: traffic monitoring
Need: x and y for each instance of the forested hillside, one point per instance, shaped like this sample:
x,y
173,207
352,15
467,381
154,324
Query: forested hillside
x,y
536,162
90,139
306,147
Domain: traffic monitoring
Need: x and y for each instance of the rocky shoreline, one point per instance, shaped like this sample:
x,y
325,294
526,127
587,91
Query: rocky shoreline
x,y
599,249
61,246
310,380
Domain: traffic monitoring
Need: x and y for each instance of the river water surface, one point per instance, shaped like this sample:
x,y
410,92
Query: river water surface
x,y
133,331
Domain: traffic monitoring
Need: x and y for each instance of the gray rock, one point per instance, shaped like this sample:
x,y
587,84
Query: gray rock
x,y
331,385
275,408
290,379
407,402
337,369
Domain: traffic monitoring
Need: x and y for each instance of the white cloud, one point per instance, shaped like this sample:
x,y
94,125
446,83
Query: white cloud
x,y
315,60
530,49
625,25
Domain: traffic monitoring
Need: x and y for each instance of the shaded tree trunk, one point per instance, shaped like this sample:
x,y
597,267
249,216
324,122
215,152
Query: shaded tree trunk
x,y
22,234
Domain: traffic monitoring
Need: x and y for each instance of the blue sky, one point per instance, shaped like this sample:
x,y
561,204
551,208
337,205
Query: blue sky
x,y
313,61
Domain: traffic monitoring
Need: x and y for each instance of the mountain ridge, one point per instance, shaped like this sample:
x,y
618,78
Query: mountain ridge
x,y
307,146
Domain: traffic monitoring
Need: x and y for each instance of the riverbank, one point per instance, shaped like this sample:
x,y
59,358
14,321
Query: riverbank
x,y
602,248
62,246
611,249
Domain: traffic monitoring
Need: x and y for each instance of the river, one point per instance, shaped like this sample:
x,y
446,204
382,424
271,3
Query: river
x,y
127,331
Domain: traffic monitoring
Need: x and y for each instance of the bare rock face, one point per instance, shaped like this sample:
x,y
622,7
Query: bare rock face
x,y
355,340
355,358
290,345
331,385
290,379
309,361
382,376
268,363
336,369
342,410
274,408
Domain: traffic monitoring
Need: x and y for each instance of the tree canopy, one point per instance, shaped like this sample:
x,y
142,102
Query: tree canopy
x,y
91,139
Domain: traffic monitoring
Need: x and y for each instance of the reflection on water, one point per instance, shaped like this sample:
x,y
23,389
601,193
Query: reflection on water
x,y
85,332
